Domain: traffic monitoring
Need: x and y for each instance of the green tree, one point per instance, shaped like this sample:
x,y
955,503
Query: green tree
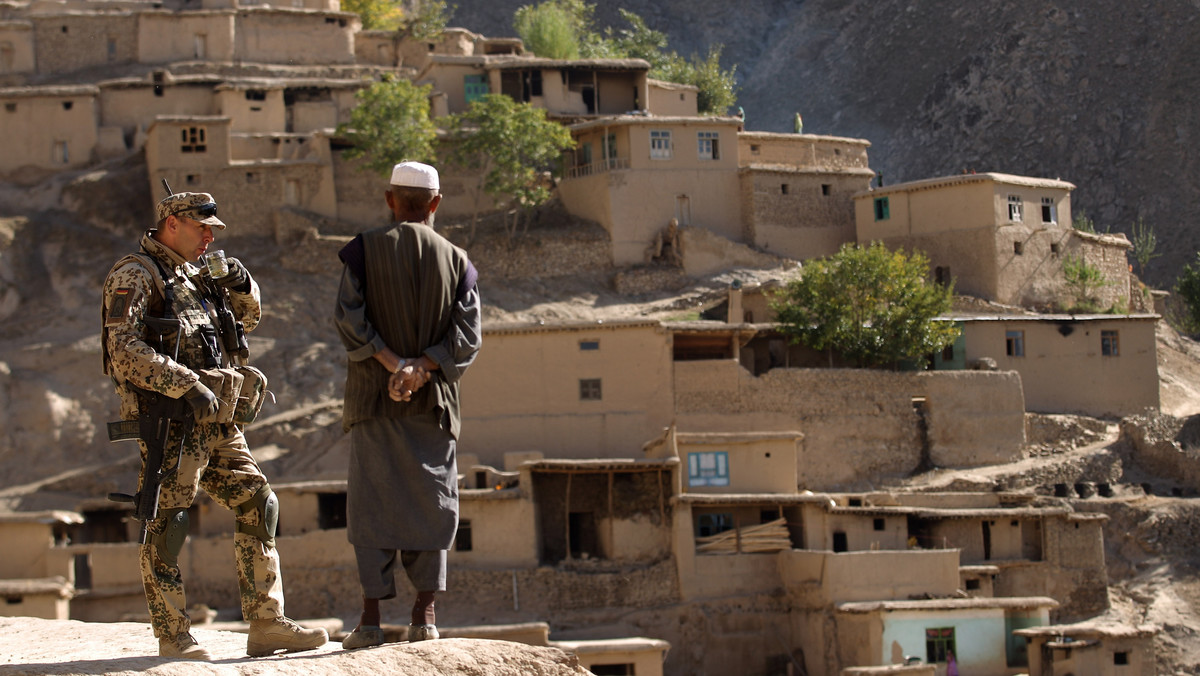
x,y
390,124
510,146
1084,280
426,19
1187,288
1082,223
873,306
1144,245
554,29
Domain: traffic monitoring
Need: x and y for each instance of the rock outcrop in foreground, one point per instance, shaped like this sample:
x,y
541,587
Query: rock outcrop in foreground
x,y
34,646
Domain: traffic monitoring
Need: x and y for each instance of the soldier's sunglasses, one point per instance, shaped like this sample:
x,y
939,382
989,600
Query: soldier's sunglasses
x,y
207,210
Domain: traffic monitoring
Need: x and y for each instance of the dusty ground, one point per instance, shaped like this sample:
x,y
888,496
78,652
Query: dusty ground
x,y
33,646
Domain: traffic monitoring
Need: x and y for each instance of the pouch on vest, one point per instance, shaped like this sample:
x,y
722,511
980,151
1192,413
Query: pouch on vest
x,y
253,393
227,385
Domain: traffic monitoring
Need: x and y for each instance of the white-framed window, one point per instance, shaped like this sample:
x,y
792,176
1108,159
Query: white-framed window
x,y
1049,210
708,144
708,468
1015,208
660,144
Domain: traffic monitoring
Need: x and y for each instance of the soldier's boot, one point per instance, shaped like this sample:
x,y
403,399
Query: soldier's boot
x,y
182,647
279,633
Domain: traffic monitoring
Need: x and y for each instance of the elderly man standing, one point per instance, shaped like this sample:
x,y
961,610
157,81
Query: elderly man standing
x,y
193,363
408,315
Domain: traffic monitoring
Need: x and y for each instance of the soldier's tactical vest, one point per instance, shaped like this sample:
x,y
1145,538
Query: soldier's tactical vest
x,y
241,389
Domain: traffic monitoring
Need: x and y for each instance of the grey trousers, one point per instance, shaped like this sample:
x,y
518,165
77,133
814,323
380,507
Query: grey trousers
x,y
377,570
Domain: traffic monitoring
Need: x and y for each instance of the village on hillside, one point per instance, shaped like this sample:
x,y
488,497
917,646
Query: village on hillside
x,y
689,495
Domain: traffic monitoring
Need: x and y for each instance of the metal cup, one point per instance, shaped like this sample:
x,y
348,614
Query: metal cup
x,y
215,261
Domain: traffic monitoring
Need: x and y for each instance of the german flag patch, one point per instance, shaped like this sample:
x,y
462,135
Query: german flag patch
x,y
118,310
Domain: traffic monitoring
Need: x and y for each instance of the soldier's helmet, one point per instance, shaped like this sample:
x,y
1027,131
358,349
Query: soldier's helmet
x,y
199,206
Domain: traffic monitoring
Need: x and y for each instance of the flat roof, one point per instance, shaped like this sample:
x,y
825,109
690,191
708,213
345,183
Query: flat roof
x,y
630,120
601,464
567,326
966,179
1006,603
775,135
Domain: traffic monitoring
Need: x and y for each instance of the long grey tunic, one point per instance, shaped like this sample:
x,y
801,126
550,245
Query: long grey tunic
x,y
402,485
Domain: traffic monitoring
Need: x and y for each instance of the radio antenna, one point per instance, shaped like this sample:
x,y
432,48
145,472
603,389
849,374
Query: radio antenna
x,y
167,188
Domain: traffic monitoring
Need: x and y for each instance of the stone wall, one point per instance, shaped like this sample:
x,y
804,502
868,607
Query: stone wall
x,y
71,42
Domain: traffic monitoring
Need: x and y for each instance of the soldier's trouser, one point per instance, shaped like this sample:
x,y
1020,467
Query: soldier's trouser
x,y
217,459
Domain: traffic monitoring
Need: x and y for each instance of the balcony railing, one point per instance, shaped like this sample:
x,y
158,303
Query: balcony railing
x,y
600,167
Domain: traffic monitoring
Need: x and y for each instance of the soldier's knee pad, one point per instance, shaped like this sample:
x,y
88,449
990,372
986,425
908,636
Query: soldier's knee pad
x,y
259,516
169,542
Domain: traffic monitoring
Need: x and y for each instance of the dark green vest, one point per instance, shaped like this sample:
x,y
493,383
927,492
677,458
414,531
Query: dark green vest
x,y
412,274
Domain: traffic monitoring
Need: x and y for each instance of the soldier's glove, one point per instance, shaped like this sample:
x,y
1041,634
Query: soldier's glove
x,y
204,403
238,278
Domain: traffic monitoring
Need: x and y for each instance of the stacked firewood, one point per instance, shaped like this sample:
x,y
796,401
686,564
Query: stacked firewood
x,y
768,537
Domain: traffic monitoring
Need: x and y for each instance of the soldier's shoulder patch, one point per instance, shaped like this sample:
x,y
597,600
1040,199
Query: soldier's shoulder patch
x,y
119,305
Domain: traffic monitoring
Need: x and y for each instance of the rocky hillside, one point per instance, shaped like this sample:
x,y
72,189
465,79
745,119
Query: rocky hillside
x,y
1101,93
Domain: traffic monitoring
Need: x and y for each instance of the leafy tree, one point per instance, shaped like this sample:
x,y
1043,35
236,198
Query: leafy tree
x,y
1187,288
554,29
873,306
1082,223
1144,244
427,19
509,145
1084,280
390,124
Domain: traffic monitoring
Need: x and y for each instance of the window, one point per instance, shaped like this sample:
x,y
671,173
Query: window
x,y
193,179
610,144
475,87
10,107
6,56
1110,344
589,345
840,542
256,95
708,468
462,539
112,48
1018,248
251,177
708,145
1014,343
589,389
939,643
1054,249
1121,657
825,187
660,144
60,154
192,140
331,510
200,46
783,188
880,524
972,585
67,105
881,209
1049,210
1014,208
755,149
948,352
712,524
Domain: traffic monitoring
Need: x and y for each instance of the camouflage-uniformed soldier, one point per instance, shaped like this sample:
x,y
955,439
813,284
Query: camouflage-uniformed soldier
x,y
214,454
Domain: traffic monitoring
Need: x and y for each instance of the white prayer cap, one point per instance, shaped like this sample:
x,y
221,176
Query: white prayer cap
x,y
415,175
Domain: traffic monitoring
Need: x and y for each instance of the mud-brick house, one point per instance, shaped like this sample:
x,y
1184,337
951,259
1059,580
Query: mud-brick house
x,y
30,583
567,89
1097,365
51,128
1091,648
250,174
16,49
797,191
995,236
632,174
572,390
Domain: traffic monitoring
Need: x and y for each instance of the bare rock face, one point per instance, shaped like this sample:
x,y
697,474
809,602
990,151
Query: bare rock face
x,y
33,646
